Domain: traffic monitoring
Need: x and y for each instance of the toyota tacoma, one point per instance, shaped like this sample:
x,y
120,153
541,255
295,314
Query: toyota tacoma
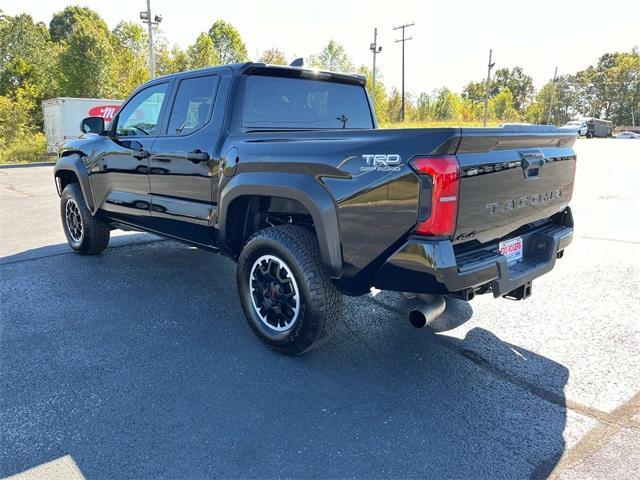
x,y
284,170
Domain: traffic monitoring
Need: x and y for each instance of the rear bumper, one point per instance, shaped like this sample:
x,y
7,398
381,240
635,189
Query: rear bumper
x,y
432,266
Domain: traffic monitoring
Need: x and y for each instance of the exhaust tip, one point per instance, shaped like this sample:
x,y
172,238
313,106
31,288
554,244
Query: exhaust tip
x,y
417,319
427,309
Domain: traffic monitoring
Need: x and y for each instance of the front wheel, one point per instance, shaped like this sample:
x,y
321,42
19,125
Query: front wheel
x,y
85,233
287,297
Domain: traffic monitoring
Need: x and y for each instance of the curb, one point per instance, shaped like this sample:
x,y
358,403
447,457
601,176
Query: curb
x,y
25,165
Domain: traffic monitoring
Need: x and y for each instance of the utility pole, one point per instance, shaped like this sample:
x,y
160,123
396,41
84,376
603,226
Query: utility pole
x,y
486,90
376,50
403,40
553,91
145,16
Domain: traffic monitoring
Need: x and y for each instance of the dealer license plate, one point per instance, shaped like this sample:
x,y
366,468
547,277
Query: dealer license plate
x,y
512,249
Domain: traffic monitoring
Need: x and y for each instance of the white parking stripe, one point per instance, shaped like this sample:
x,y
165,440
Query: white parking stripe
x,y
58,469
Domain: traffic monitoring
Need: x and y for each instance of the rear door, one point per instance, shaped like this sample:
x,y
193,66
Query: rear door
x,y
183,168
510,177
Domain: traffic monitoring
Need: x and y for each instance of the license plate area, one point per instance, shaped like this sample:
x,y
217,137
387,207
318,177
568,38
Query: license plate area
x,y
512,250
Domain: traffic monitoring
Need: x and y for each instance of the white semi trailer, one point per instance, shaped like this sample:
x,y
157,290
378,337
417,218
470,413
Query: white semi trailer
x,y
62,117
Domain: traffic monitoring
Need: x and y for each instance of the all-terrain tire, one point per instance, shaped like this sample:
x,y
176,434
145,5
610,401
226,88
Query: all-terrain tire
x,y
288,250
85,233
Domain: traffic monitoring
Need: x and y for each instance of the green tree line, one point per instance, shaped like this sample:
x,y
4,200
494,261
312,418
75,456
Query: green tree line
x,y
77,55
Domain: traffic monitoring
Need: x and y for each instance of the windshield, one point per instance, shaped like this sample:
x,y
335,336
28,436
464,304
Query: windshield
x,y
291,103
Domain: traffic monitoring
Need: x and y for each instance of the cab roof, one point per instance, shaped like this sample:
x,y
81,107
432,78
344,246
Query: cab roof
x,y
254,68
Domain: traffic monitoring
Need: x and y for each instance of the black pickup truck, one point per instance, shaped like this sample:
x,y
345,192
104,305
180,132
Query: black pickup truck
x,y
284,170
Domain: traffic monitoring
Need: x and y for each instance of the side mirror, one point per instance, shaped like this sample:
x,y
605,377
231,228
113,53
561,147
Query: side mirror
x,y
92,125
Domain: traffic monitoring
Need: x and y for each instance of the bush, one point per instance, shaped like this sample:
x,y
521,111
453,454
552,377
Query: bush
x,y
20,140
24,149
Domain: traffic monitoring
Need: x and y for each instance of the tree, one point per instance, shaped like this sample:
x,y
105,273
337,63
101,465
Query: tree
x,y
133,37
562,106
129,60
227,43
474,92
611,88
380,98
444,107
63,23
171,60
394,106
86,62
273,56
27,67
333,58
423,108
202,53
520,86
501,107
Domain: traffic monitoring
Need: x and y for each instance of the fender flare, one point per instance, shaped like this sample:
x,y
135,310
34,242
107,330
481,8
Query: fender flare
x,y
304,189
72,162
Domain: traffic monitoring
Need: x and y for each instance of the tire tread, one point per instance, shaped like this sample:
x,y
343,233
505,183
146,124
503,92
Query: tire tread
x,y
96,233
302,245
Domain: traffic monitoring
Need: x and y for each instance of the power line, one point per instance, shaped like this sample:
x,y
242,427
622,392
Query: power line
x,y
403,40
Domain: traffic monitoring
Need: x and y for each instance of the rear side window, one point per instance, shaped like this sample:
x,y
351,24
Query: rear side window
x,y
284,103
193,104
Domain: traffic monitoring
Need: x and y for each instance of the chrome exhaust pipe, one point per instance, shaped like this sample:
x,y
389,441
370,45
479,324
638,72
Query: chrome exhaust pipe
x,y
429,308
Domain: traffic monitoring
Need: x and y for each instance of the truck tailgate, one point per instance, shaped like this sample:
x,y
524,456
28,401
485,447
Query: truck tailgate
x,y
510,177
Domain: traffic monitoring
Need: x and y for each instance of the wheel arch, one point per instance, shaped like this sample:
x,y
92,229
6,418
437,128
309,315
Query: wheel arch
x,y
300,190
71,168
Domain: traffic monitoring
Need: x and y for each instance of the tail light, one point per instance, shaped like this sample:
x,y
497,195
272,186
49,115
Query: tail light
x,y
443,173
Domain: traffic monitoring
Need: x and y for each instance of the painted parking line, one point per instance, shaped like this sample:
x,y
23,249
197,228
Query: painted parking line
x,y
63,468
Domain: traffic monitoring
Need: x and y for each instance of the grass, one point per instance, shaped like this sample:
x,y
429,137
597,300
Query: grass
x,y
434,124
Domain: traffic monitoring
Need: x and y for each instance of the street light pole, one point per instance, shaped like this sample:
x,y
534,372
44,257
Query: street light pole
x,y
376,50
145,16
403,40
486,91
553,91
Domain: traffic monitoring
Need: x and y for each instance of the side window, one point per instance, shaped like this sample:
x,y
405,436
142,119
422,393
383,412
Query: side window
x,y
192,105
140,116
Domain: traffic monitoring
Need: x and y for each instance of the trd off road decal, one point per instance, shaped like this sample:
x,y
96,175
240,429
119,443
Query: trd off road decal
x,y
381,162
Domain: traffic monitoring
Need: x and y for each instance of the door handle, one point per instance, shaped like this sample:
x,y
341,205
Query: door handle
x,y
197,156
140,154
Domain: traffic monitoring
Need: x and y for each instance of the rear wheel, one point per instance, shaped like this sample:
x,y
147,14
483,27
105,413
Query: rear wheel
x,y
85,233
287,297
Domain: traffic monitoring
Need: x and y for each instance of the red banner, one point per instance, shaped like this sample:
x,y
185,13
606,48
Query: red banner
x,y
105,111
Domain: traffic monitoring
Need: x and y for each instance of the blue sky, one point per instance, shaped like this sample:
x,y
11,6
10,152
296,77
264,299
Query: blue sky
x,y
451,39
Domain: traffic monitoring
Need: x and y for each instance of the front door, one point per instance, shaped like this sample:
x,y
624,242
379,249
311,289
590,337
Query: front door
x,y
120,168
182,166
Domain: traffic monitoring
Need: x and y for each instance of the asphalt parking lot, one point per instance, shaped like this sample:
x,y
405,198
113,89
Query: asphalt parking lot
x,y
138,363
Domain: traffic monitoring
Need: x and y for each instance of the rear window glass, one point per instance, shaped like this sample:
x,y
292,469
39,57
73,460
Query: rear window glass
x,y
192,105
276,102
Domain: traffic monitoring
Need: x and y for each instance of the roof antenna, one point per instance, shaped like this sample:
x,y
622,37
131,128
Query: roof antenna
x,y
298,62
